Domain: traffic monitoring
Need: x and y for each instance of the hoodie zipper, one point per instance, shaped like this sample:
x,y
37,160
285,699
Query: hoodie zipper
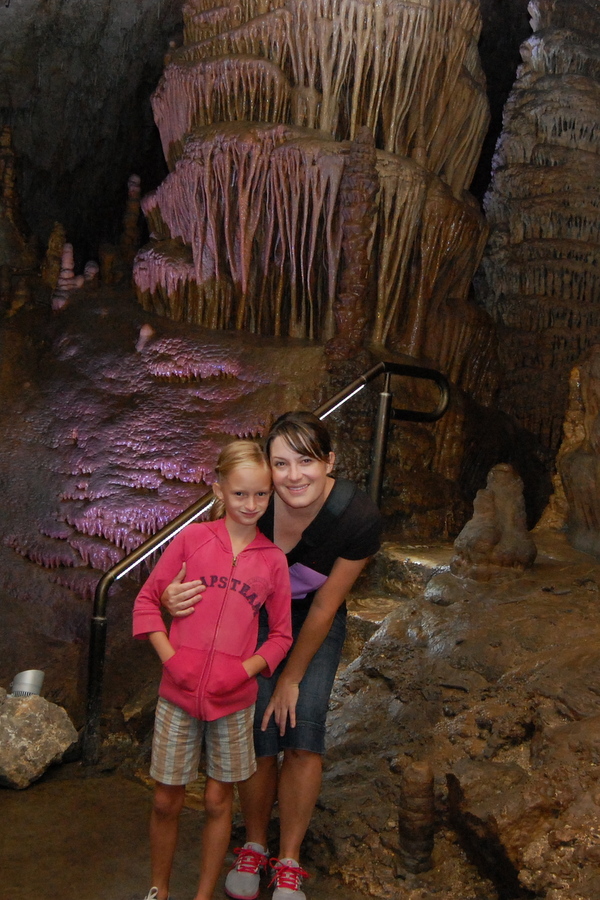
x,y
208,666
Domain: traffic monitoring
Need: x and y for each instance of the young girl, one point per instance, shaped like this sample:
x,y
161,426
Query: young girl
x,y
208,686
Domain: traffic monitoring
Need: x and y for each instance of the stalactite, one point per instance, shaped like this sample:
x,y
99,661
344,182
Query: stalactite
x,y
218,90
403,189
358,191
265,36
449,246
264,165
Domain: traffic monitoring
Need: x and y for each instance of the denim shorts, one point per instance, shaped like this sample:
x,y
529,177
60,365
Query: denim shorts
x,y
313,700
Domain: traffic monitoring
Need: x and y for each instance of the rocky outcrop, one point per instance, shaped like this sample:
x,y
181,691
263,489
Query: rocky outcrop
x,y
539,273
495,688
34,734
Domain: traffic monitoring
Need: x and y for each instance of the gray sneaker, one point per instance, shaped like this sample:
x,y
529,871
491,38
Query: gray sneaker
x,y
243,879
287,878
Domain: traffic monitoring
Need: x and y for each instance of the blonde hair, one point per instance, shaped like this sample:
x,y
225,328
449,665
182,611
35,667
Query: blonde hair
x,y
233,456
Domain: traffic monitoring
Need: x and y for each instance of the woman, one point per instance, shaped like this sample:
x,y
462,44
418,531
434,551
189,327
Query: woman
x,y
328,529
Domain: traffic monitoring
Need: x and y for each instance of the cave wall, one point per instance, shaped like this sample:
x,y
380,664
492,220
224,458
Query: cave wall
x,y
75,79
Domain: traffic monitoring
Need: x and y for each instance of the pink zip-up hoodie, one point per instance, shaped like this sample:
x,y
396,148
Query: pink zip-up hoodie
x,y
205,677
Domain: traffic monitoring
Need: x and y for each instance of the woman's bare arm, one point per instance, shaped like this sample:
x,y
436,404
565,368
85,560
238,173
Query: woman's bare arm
x,y
180,597
326,603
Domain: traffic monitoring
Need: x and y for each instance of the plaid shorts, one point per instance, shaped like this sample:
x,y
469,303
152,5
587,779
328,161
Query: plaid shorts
x,y
178,739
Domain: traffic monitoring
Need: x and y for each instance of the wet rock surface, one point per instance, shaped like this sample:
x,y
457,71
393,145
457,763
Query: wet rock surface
x,y
83,835
496,688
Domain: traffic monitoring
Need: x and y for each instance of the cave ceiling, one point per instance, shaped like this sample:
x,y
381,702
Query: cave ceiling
x,y
75,83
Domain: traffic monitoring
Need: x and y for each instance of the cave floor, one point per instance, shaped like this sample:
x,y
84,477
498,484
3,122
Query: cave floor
x,y
78,835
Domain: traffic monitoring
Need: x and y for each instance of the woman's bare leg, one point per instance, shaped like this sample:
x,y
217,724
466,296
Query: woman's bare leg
x,y
299,785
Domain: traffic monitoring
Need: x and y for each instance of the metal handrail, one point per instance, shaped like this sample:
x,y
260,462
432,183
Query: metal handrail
x,y
97,645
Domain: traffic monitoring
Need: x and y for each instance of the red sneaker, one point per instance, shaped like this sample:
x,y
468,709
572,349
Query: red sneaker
x,y
243,879
287,878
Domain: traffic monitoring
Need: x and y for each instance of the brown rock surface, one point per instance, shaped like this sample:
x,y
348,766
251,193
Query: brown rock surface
x,y
496,688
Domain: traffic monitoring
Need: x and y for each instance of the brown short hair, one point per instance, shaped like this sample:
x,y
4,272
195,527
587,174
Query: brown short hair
x,y
304,432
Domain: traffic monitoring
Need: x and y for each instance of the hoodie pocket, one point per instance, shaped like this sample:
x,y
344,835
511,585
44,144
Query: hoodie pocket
x,y
227,675
184,669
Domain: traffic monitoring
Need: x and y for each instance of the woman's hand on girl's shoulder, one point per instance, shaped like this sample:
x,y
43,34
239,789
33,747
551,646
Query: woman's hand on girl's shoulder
x,y
282,705
180,597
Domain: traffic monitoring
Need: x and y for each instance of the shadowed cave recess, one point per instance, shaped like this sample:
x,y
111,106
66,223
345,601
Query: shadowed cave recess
x,y
210,214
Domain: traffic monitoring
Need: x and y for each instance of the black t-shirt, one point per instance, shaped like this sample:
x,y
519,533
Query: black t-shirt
x,y
348,525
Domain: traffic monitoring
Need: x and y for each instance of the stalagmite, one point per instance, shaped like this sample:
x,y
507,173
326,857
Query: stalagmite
x,y
53,258
8,193
67,280
146,334
91,271
577,487
416,817
495,543
130,237
16,252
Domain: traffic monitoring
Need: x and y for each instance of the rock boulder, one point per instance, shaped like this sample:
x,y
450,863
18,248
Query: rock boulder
x,y
34,734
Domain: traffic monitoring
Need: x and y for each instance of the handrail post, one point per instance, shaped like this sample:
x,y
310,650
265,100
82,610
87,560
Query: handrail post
x,y
97,653
91,733
380,440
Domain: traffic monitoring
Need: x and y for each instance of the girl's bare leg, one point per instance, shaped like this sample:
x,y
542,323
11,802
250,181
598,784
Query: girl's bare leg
x,y
257,798
218,804
164,827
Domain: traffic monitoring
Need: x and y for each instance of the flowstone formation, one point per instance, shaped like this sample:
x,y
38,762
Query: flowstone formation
x,y
111,420
539,274
319,156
